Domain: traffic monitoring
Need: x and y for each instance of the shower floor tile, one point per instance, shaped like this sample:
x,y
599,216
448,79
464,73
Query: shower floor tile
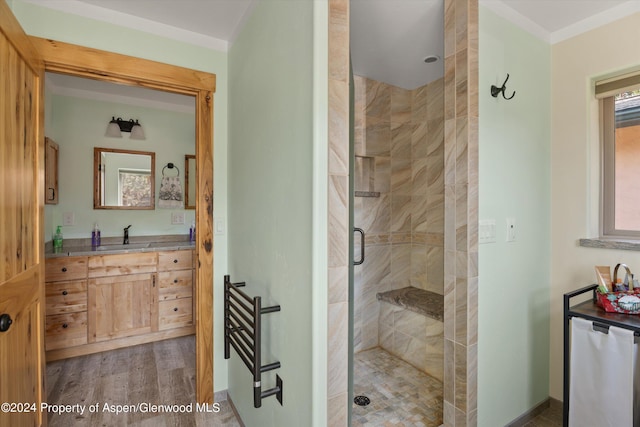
x,y
400,394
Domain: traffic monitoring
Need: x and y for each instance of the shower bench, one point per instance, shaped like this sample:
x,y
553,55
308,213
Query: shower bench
x,y
411,326
427,303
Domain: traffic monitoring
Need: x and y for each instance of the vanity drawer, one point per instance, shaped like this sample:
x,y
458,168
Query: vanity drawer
x,y
66,297
176,313
175,284
175,260
65,268
66,330
121,264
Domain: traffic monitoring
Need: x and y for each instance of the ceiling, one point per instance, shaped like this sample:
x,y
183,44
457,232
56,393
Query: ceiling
x,y
389,38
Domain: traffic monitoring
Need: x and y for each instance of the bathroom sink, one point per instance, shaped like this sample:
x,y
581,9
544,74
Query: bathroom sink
x,y
130,246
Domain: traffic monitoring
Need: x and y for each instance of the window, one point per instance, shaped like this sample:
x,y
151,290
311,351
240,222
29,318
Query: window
x,y
620,135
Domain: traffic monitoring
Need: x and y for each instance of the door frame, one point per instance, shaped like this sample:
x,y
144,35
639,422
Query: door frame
x,y
74,60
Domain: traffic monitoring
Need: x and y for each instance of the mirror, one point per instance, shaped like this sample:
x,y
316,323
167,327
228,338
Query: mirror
x,y
190,181
123,179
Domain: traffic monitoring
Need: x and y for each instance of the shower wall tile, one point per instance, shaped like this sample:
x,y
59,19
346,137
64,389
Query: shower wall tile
x,y
435,173
472,377
472,318
450,152
385,337
461,311
338,113
401,177
377,265
400,265
419,176
378,99
435,138
434,363
337,276
382,174
375,214
435,100
434,239
461,25
419,266
338,39
460,377
401,140
419,104
450,315
338,221
418,215
461,217
401,213
338,410
419,137
400,105
449,87
462,97
377,136
462,160
411,324
338,316
449,371
435,213
435,269
410,349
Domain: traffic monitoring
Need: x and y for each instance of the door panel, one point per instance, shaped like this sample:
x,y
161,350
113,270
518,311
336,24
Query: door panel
x,y
21,206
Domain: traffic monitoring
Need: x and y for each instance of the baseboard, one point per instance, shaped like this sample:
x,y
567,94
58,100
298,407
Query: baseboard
x,y
534,412
235,411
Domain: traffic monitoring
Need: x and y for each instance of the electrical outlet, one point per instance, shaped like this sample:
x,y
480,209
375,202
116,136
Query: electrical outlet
x,y
177,218
68,218
511,229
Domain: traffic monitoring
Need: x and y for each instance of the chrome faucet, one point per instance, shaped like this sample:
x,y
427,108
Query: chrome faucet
x,y
126,235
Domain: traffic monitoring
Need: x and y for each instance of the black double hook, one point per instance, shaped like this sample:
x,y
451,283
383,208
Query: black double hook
x,y
495,90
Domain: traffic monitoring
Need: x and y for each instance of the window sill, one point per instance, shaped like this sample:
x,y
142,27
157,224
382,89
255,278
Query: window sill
x,y
623,244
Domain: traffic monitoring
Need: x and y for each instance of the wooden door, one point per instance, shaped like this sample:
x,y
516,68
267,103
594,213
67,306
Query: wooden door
x,y
22,362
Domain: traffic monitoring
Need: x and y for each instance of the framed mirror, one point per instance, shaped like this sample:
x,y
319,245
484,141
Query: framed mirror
x,y
190,181
123,179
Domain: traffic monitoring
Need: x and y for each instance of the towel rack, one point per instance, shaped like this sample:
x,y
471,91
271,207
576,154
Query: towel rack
x,y
242,331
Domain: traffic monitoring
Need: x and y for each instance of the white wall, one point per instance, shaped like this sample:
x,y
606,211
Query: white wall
x,y
514,177
271,197
78,125
576,63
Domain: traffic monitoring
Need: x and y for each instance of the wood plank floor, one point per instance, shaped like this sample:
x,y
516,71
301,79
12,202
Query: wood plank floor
x,y
162,372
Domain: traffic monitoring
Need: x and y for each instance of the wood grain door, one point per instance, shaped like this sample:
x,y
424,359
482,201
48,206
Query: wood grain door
x,y
22,361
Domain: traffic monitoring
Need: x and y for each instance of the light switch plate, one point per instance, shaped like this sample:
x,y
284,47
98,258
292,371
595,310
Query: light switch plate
x,y
177,218
68,218
487,231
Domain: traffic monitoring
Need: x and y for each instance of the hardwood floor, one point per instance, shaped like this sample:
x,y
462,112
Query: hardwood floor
x,y
159,373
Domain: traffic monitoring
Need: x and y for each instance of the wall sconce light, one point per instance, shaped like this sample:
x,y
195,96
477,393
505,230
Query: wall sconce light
x,y
116,126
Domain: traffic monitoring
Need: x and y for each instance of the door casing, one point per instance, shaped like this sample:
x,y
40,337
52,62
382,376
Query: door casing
x,y
100,65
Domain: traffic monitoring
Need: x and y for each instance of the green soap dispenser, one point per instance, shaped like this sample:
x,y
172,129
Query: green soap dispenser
x,y
57,238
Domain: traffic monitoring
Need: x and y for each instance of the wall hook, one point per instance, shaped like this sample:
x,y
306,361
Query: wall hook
x,y
496,90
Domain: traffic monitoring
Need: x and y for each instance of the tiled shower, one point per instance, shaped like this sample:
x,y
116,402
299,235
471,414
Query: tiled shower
x,y
399,203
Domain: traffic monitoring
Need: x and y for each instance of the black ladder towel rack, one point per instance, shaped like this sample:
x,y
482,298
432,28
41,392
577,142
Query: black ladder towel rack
x,y
242,325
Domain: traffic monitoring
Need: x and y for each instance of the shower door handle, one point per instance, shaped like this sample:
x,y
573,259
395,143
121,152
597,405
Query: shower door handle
x,y
361,231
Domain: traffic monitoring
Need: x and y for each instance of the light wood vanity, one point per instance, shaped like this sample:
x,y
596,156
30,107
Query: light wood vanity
x,y
102,302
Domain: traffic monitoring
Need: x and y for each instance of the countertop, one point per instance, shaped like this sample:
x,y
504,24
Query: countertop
x,y
113,245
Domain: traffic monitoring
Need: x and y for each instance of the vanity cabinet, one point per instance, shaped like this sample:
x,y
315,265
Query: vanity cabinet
x,y
103,302
175,289
65,302
51,151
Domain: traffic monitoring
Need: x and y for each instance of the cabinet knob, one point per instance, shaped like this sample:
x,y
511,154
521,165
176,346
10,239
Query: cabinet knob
x,y
175,261
64,269
65,326
5,322
175,309
64,292
175,280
